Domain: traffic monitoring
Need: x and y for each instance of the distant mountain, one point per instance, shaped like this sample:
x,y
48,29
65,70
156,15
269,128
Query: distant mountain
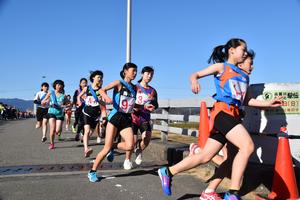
x,y
21,104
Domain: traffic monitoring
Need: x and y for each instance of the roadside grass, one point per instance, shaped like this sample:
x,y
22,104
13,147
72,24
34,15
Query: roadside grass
x,y
180,138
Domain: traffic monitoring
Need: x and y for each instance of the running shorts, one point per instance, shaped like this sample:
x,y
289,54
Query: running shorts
x,y
222,125
121,121
41,113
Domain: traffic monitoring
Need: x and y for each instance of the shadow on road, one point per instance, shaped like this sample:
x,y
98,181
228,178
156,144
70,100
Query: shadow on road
x,y
188,196
141,172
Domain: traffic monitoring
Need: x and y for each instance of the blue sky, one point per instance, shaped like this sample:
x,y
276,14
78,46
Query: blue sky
x,y
65,39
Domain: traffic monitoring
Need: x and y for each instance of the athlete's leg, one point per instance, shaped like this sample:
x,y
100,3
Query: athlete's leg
x,y
211,148
219,159
127,144
52,124
111,132
224,169
38,124
146,138
97,130
59,124
86,136
239,137
67,121
45,123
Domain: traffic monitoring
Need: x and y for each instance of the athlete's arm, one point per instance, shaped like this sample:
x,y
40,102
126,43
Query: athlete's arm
x,y
217,68
46,100
75,97
112,85
153,103
103,112
83,91
264,103
36,99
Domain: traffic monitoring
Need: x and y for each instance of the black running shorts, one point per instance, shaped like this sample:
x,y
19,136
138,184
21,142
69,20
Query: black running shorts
x,y
49,116
41,113
121,121
222,125
90,121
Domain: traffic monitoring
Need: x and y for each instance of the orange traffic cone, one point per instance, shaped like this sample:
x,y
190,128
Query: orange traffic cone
x,y
203,125
284,180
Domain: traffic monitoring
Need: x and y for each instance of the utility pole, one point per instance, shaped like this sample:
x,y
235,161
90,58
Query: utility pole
x,y
128,38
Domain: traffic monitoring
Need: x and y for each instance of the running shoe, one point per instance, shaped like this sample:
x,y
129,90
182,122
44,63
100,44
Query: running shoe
x,y
110,156
229,196
93,177
210,196
98,140
51,146
194,149
88,152
77,138
138,154
165,180
44,138
74,130
60,137
127,164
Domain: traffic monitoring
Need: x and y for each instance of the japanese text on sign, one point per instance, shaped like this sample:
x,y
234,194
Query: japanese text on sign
x,y
290,102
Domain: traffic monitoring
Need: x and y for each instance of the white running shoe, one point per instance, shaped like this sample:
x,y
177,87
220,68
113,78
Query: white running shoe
x,y
127,164
138,154
98,140
194,149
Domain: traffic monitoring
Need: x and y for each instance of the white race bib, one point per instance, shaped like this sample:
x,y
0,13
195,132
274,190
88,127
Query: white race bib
x,y
238,89
126,104
141,98
90,101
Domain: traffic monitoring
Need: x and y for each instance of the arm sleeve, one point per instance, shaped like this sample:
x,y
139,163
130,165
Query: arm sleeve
x,y
75,97
154,102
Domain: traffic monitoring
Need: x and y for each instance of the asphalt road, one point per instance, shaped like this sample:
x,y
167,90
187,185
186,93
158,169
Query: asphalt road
x,y
28,170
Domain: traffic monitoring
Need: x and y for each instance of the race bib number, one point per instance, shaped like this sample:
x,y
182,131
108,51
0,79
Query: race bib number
x,y
90,101
238,89
141,98
126,104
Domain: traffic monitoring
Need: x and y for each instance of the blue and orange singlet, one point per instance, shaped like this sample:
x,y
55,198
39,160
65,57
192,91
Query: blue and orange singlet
x,y
231,88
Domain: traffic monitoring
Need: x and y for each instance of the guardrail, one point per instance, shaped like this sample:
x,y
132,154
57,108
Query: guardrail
x,y
165,117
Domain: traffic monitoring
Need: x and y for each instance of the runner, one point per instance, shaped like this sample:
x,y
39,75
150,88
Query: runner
x,y
57,102
79,123
93,108
68,111
100,128
42,110
146,101
119,119
231,85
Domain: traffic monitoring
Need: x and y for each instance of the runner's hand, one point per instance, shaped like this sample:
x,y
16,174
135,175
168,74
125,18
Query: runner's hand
x,y
149,107
104,96
195,86
278,101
